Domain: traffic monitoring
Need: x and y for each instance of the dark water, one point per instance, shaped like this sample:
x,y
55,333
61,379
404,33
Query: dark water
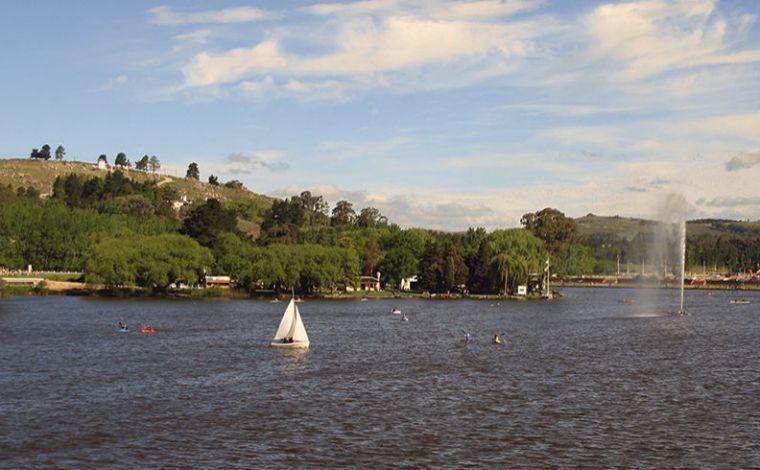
x,y
581,381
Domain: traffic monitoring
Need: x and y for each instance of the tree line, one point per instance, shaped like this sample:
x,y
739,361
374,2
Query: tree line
x,y
120,232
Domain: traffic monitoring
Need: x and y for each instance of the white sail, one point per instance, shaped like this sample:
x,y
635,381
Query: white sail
x,y
286,324
298,331
291,333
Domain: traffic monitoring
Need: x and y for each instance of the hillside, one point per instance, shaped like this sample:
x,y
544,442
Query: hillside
x,y
41,174
627,228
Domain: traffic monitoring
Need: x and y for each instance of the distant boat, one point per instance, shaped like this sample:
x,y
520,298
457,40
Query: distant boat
x,y
147,329
396,311
291,333
626,301
404,317
739,301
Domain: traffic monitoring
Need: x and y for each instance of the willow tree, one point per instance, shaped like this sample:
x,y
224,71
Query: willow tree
x,y
516,253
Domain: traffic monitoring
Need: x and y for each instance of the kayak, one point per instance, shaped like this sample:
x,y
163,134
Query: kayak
x,y
147,329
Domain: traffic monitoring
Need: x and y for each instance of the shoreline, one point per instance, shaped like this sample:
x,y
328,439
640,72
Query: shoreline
x,y
83,290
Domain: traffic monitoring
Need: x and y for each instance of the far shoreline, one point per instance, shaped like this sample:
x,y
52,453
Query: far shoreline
x,y
53,288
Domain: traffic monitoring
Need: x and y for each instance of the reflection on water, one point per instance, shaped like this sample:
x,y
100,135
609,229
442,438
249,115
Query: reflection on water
x,y
581,381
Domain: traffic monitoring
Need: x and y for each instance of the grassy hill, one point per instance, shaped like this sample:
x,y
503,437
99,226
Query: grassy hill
x,y
628,228
41,174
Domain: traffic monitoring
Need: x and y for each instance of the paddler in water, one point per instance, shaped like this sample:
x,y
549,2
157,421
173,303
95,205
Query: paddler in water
x,y
497,338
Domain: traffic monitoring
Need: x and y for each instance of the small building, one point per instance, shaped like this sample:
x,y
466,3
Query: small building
x,y
102,163
370,283
220,282
409,284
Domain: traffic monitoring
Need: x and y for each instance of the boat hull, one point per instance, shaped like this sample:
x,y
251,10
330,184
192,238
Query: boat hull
x,y
293,345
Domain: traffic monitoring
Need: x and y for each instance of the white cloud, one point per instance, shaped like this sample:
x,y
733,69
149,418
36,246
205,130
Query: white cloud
x,y
566,110
211,69
649,37
414,47
743,126
478,9
164,15
200,36
403,42
259,89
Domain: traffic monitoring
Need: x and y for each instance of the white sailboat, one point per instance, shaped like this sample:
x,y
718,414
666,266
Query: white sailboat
x,y
291,333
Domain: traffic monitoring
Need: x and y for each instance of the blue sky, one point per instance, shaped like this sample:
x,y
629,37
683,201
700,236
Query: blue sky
x,y
441,114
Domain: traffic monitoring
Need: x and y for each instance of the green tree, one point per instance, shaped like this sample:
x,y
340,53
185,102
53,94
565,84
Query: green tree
x,y
283,220
73,188
207,220
516,253
154,163
371,256
45,152
121,160
551,226
442,267
315,209
370,217
398,264
193,172
60,152
343,214
143,163
152,262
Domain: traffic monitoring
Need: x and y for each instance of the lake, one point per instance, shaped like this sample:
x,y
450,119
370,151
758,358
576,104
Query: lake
x,y
580,381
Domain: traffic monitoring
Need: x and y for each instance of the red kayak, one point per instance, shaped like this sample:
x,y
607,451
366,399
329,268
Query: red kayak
x,y
146,329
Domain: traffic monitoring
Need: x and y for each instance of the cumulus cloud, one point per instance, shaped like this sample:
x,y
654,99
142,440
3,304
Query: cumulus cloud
x,y
743,160
247,163
164,15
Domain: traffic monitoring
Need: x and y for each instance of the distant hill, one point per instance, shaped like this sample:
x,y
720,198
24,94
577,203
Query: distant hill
x,y
41,174
627,227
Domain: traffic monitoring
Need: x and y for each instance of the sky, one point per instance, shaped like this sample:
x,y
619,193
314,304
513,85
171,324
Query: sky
x,y
441,114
